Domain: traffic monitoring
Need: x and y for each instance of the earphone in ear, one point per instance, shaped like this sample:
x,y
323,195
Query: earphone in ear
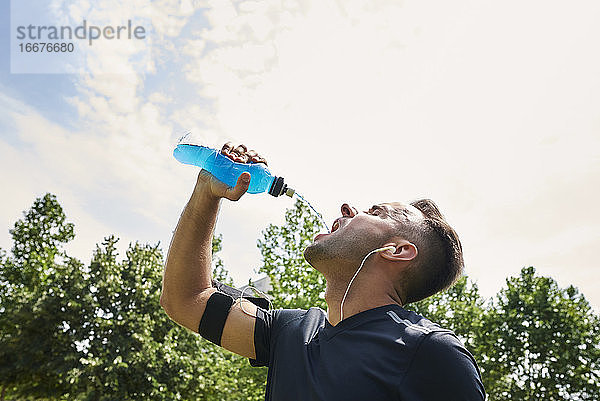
x,y
386,248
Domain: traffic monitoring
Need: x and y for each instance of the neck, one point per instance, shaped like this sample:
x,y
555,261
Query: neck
x,y
368,291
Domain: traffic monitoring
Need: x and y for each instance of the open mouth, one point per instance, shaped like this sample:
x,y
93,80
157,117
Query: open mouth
x,y
334,227
319,236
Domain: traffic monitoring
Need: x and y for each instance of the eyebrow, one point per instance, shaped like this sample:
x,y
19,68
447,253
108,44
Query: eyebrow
x,y
396,213
378,207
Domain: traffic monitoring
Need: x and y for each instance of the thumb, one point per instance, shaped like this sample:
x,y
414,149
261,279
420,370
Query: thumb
x,y
240,188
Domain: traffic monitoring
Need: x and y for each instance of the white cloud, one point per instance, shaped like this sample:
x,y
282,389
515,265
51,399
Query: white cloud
x,y
488,111
381,100
116,165
41,165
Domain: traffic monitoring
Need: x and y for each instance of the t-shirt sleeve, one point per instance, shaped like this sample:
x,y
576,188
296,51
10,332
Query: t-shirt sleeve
x,y
443,369
268,324
263,328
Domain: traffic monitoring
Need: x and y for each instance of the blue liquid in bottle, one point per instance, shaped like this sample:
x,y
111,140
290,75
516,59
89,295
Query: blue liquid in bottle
x,y
227,171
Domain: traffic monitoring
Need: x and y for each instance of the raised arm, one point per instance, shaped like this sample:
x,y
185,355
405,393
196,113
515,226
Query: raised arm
x,y
187,277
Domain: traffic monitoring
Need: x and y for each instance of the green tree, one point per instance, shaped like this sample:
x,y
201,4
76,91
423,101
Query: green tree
x,y
75,332
219,272
459,308
295,284
43,305
97,332
542,342
134,351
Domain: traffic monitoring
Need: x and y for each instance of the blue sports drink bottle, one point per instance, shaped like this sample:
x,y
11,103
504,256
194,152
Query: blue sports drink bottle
x,y
227,171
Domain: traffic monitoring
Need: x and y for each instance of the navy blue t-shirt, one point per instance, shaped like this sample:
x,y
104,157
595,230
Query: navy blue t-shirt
x,y
385,353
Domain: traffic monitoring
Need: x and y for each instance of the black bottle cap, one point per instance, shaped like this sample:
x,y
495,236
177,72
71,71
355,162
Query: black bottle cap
x,y
278,187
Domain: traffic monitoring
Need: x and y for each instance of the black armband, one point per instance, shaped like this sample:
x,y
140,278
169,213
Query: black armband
x,y
217,309
214,317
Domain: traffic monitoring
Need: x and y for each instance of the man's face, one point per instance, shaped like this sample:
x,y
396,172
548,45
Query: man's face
x,y
354,234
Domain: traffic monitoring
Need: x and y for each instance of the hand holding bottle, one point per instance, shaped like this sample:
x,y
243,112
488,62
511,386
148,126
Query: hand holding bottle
x,y
231,166
209,185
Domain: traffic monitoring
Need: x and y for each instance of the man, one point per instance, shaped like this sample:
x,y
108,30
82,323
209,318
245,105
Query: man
x,y
366,347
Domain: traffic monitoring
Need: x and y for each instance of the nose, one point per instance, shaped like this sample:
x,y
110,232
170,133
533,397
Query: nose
x,y
348,211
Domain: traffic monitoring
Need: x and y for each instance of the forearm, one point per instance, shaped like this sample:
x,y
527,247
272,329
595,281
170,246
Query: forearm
x,y
188,265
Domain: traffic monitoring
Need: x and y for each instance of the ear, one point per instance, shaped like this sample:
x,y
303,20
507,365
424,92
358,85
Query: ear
x,y
405,251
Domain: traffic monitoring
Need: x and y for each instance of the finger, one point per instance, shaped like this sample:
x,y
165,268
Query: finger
x,y
240,158
240,188
262,160
230,152
227,147
241,149
253,157
231,155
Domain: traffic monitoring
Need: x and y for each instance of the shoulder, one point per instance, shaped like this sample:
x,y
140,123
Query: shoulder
x,y
283,318
410,328
443,345
280,319
448,365
299,325
436,347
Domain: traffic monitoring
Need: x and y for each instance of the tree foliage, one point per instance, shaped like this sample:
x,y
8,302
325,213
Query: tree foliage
x,y
541,342
43,305
460,309
133,351
70,331
96,332
295,284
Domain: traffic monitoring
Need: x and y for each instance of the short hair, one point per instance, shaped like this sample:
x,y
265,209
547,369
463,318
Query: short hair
x,y
439,262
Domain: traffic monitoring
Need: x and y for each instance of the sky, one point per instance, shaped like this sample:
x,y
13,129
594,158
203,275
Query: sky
x,y
491,109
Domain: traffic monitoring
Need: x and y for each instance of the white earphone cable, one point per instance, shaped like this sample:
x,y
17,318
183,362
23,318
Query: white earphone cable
x,y
390,248
241,299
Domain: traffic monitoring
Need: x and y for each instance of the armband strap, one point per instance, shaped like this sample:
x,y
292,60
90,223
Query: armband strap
x,y
214,317
235,294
